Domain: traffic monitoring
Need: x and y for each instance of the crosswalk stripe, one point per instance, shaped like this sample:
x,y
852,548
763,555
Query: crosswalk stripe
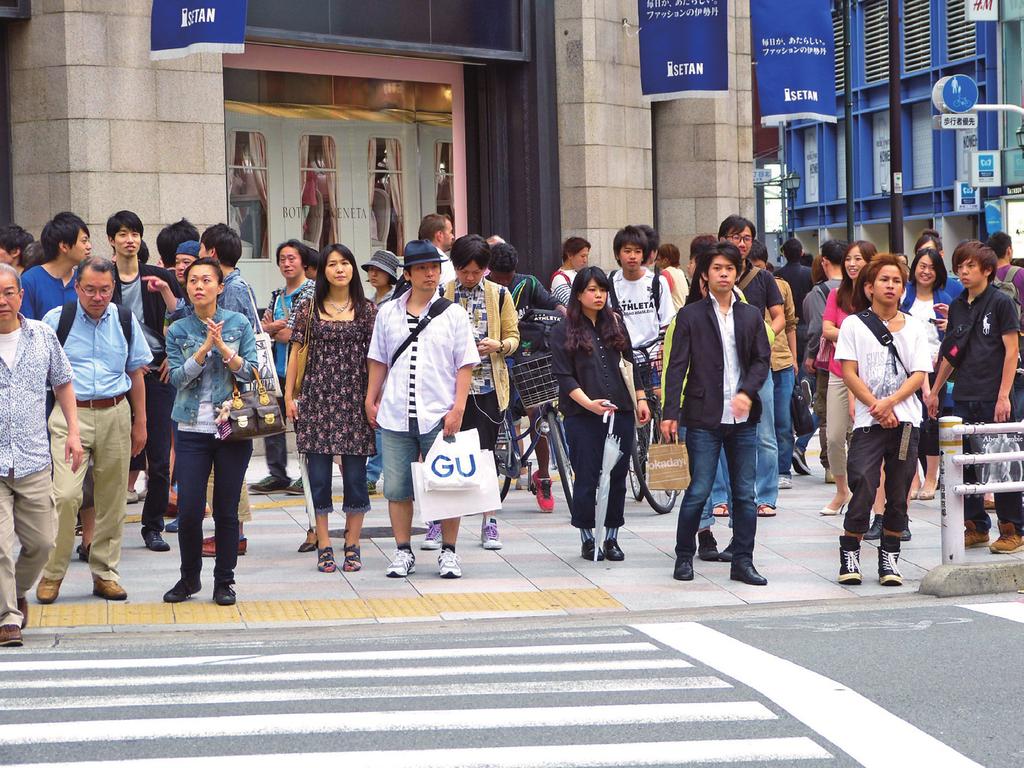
x,y
389,721
325,658
1014,611
305,693
561,756
868,733
250,678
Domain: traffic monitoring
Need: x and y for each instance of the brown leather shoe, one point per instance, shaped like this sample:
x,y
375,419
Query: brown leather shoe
x,y
108,590
23,607
973,537
48,590
10,636
1009,540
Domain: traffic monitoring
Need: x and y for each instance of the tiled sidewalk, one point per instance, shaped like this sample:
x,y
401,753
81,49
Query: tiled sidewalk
x,y
538,571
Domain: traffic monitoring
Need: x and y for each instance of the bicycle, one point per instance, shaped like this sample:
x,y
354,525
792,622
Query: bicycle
x,y
534,387
649,434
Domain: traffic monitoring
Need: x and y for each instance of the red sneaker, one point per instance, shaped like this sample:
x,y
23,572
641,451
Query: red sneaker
x,y
545,500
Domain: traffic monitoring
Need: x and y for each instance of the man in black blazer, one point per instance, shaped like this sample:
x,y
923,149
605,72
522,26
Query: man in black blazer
x,y
727,341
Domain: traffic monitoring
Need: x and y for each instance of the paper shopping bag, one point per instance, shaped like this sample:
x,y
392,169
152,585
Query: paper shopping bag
x,y
668,467
431,506
455,464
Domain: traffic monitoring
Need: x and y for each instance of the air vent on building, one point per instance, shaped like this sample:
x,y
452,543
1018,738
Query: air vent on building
x,y
837,37
960,40
917,35
876,41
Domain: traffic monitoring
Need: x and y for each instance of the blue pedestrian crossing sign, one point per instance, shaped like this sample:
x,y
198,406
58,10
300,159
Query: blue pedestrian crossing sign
x,y
957,93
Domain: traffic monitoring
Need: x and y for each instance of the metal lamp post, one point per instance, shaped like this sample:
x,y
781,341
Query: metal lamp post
x,y
790,183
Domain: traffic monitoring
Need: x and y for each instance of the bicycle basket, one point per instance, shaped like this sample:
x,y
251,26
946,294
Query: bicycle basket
x,y
534,381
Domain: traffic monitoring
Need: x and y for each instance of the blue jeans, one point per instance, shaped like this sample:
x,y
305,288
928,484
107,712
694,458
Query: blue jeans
x,y
784,382
375,464
739,443
401,449
766,484
196,455
353,476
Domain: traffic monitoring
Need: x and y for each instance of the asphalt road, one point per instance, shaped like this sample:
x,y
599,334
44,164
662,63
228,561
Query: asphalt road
x,y
907,682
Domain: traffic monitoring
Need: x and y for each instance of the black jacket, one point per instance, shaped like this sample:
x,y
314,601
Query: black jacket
x,y
153,307
697,347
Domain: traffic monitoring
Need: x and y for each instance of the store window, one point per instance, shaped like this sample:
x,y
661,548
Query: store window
x,y
318,165
444,199
921,145
247,192
386,198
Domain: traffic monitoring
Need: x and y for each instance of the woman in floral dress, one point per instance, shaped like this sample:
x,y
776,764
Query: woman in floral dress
x,y
329,417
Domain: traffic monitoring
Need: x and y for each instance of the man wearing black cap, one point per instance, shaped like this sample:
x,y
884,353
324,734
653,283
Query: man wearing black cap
x,y
411,401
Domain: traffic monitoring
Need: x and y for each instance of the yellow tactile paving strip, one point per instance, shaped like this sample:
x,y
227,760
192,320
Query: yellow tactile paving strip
x,y
267,611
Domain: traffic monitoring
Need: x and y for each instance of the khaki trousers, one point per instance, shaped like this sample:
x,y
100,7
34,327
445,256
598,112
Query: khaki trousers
x,y
837,424
244,507
28,513
106,439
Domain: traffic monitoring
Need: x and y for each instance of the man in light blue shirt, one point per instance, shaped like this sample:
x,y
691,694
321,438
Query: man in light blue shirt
x,y
108,353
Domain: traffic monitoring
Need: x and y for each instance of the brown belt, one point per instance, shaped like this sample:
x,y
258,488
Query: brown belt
x,y
106,402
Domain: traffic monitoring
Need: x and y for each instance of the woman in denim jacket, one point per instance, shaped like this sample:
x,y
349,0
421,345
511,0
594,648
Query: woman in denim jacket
x,y
206,352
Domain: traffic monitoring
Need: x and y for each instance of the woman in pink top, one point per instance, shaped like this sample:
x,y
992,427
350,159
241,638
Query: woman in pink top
x,y
838,307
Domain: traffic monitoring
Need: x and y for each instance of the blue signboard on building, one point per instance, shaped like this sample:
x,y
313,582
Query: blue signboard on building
x,y
794,52
180,27
684,48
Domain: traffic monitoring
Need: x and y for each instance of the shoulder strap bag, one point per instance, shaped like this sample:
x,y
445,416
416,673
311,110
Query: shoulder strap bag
x,y
248,415
439,306
302,353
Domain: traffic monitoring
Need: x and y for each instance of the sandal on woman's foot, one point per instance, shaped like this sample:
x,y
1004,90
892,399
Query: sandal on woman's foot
x,y
325,563
720,510
353,560
926,495
310,543
765,510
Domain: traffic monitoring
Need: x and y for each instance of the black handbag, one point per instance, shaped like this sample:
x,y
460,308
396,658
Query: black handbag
x,y
800,408
250,414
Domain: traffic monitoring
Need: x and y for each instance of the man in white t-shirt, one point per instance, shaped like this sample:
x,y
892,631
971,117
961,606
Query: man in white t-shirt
x,y
645,306
438,229
884,379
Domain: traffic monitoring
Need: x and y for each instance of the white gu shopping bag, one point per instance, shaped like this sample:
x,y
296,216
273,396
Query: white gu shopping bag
x,y
455,479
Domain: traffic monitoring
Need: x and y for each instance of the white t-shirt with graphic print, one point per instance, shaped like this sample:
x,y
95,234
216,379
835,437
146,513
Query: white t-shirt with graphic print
x,y
877,368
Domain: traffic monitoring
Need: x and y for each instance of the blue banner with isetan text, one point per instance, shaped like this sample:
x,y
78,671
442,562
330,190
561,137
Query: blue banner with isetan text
x,y
180,27
684,48
794,51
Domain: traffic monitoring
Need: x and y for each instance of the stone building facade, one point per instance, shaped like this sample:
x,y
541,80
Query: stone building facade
x,y
549,135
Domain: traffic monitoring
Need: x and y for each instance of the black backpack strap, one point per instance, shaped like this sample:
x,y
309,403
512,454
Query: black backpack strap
x,y
439,306
882,335
501,299
656,293
127,328
67,319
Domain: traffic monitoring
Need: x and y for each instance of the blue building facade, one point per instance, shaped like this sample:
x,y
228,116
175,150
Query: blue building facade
x,y
936,41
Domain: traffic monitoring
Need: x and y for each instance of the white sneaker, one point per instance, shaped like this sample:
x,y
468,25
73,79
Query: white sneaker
x,y
785,483
449,565
433,538
489,534
402,564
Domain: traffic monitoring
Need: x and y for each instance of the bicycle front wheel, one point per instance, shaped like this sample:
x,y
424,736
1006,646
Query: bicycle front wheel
x,y
556,440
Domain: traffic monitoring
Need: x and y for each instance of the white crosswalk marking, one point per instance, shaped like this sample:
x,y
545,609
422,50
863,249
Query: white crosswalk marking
x,y
833,710
191,699
393,707
569,756
1014,611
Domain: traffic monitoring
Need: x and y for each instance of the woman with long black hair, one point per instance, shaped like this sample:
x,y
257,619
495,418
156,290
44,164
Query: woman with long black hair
x,y
330,420
588,351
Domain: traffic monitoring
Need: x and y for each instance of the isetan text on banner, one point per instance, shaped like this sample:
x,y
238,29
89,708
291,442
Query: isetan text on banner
x,y
684,48
180,27
795,56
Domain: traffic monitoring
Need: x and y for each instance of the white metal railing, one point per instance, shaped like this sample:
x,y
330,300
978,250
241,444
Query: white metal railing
x,y
951,432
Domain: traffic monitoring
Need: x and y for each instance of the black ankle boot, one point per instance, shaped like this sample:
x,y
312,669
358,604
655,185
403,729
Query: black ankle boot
x,y
888,562
849,560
